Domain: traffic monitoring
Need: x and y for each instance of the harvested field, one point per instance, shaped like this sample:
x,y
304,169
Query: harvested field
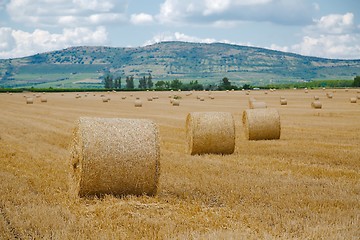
x,y
306,185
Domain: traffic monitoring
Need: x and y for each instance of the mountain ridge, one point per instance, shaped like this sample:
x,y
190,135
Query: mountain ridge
x,y
206,62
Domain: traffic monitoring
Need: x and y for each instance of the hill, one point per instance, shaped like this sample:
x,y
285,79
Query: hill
x,y
207,63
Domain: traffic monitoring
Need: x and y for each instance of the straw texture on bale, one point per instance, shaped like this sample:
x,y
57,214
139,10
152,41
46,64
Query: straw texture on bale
x,y
353,100
261,124
29,100
138,103
256,104
115,156
316,104
210,132
283,101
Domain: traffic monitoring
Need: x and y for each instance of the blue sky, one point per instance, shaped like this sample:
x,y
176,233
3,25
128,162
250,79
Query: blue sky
x,y
322,28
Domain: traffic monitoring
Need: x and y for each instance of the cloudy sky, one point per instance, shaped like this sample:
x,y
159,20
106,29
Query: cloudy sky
x,y
323,28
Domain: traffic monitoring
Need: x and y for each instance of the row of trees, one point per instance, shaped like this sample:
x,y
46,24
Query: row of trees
x,y
146,83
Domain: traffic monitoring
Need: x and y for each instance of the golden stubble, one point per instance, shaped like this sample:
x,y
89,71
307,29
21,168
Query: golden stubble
x,y
303,185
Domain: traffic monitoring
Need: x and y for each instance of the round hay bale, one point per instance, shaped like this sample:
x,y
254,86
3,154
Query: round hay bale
x,y
155,97
316,98
105,99
353,100
176,102
138,103
283,101
329,95
257,104
306,91
115,156
29,100
316,105
211,97
43,100
210,132
150,99
261,124
265,92
358,96
123,97
202,99
282,97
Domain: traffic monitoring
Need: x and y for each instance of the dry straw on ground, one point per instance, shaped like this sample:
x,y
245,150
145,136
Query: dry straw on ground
x,y
316,104
115,156
29,100
261,124
138,103
210,132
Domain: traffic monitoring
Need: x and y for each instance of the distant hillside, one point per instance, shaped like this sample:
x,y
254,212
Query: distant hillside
x,y
207,63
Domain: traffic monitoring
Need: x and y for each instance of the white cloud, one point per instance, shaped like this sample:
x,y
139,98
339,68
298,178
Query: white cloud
x,y
209,11
177,36
332,36
55,13
21,43
141,18
335,23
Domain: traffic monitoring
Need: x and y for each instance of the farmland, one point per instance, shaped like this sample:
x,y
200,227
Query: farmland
x,y
306,185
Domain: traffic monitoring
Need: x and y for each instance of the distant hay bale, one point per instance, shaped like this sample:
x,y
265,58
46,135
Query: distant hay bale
x,y
176,102
316,104
282,97
156,97
357,91
102,95
353,100
265,92
43,100
123,97
202,99
329,95
346,90
283,101
211,97
316,98
188,94
29,100
137,98
197,97
150,99
138,103
38,96
306,91
210,132
171,100
105,99
358,96
261,124
253,104
115,156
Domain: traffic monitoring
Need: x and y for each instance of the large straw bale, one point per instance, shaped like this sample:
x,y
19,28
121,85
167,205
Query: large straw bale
x,y
115,156
353,100
43,99
253,104
210,132
176,102
283,101
316,104
29,100
138,103
329,95
261,124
